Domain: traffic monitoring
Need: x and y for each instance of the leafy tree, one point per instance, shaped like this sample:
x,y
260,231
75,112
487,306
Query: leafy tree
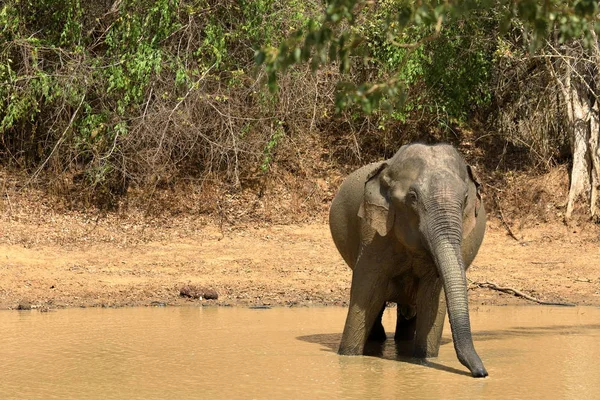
x,y
563,32
111,95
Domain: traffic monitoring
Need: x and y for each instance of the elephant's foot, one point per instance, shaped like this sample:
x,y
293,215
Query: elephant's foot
x,y
424,352
428,347
350,350
377,333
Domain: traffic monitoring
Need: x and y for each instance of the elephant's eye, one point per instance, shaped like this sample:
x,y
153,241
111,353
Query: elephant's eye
x,y
411,198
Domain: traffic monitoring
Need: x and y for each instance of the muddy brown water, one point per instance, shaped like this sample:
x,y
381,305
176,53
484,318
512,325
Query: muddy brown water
x,y
236,353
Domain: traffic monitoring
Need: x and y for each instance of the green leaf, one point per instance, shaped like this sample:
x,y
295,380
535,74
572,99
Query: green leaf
x,y
404,16
260,57
333,51
528,10
584,8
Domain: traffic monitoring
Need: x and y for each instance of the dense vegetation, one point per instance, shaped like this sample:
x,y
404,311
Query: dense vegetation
x,y
104,96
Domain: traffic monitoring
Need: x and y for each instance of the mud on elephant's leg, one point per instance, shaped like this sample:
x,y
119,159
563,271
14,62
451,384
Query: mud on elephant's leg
x,y
431,312
366,302
406,322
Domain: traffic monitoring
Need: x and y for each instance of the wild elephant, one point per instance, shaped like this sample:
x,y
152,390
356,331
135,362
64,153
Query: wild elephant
x,y
409,227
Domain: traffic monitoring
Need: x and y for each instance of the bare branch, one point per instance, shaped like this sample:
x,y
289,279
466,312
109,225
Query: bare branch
x,y
58,143
518,293
503,219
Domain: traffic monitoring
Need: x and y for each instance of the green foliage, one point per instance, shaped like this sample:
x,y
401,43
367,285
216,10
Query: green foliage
x,y
424,40
458,66
250,23
269,150
9,22
135,43
77,79
110,93
448,76
58,86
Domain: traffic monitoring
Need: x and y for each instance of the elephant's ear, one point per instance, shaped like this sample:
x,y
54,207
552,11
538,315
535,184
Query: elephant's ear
x,y
475,179
375,208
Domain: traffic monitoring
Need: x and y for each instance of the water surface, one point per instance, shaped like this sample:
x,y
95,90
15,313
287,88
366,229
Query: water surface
x,y
235,353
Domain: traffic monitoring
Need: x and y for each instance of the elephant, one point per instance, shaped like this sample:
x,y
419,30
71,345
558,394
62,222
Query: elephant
x,y
409,227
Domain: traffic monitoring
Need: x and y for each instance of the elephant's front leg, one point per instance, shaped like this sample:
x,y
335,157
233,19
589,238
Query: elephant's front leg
x,y
431,312
366,302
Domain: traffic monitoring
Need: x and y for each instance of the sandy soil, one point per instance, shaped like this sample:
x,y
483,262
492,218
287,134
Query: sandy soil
x,y
76,260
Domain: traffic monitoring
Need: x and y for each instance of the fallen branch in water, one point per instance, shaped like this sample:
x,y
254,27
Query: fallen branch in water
x,y
518,293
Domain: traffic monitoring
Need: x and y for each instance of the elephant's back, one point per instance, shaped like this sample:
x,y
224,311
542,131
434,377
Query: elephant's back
x,y
343,214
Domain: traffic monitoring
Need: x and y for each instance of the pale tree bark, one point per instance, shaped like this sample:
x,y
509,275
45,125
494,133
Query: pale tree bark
x,y
594,151
576,74
580,123
594,141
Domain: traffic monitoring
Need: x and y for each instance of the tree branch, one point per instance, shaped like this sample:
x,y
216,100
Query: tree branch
x,y
58,143
518,293
503,219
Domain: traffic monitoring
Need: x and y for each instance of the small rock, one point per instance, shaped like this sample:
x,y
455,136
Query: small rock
x,y
211,294
191,291
198,292
24,305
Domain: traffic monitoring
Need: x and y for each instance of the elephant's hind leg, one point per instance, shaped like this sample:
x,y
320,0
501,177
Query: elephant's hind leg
x,y
406,322
377,331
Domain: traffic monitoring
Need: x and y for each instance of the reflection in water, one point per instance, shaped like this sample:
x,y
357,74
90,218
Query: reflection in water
x,y
198,353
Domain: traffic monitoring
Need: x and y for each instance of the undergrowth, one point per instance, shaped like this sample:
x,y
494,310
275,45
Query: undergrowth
x,y
99,99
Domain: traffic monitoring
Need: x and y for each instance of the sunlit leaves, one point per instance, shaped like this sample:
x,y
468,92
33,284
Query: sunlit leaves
x,y
333,39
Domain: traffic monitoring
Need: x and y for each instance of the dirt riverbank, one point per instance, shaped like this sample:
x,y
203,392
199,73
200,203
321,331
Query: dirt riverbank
x,y
75,260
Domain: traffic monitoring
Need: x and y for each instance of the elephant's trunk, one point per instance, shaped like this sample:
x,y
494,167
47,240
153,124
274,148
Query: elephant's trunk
x,y
444,234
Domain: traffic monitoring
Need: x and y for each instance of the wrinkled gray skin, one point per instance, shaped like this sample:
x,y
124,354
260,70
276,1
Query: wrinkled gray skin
x,y
409,227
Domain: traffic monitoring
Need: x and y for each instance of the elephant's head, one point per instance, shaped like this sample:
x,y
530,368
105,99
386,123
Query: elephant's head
x,y
428,198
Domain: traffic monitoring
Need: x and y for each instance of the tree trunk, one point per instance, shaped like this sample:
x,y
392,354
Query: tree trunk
x,y
579,120
578,88
594,151
594,140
